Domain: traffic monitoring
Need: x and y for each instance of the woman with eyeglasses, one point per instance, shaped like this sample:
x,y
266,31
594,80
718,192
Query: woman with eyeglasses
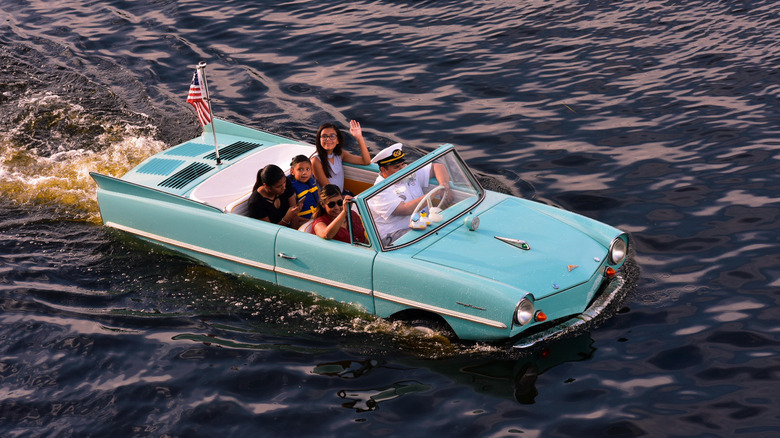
x,y
330,218
327,164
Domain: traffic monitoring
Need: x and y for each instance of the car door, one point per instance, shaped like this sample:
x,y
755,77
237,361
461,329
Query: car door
x,y
329,268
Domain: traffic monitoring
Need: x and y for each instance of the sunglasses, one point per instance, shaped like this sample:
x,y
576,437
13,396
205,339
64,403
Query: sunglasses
x,y
332,204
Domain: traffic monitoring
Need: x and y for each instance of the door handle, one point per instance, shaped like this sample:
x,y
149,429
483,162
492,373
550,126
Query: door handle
x,y
285,256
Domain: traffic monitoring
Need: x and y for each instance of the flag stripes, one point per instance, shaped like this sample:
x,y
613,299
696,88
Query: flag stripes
x,y
195,97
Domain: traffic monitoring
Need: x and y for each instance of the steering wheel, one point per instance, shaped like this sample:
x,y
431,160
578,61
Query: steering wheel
x,y
427,200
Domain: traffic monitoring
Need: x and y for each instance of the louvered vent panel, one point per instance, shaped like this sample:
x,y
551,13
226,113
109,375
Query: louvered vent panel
x,y
232,151
186,175
159,166
189,150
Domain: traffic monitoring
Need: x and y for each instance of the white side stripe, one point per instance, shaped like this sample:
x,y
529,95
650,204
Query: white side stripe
x,y
199,249
312,278
320,280
439,310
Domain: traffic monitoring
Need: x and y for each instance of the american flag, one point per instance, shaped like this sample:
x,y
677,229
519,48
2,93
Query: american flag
x,y
196,99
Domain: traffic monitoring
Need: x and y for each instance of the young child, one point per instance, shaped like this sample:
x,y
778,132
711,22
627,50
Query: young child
x,y
305,185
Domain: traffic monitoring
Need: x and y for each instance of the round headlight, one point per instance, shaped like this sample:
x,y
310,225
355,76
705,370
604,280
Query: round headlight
x,y
524,312
617,251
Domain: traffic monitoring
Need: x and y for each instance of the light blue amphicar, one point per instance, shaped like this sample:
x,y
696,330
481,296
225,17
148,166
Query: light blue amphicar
x,y
485,265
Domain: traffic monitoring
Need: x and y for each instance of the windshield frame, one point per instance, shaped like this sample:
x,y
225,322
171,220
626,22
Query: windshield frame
x,y
442,151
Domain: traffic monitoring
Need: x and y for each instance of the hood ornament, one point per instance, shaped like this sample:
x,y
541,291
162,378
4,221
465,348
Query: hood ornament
x,y
522,244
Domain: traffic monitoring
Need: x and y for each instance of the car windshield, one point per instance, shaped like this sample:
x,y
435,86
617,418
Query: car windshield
x,y
425,199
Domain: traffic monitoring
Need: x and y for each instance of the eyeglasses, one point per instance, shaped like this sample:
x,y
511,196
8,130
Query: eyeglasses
x,y
329,136
332,204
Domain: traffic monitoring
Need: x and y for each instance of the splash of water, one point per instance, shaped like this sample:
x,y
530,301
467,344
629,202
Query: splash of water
x,y
54,172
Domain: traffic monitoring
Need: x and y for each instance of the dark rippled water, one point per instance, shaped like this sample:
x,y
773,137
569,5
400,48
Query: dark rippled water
x,y
658,117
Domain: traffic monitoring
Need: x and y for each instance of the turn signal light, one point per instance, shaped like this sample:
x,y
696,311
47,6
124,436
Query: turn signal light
x,y
540,316
610,272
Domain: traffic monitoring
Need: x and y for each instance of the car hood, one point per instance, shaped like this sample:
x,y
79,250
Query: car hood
x,y
560,255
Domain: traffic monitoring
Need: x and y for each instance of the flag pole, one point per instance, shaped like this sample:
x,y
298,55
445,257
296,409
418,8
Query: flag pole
x,y
202,72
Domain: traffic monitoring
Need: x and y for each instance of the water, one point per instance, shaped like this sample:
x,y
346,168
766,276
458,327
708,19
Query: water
x,y
658,117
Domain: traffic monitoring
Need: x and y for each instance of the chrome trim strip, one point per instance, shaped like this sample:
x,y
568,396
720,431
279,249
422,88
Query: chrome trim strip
x,y
439,310
326,282
522,244
312,278
199,249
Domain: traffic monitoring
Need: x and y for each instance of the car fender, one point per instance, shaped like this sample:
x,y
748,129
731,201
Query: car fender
x,y
475,307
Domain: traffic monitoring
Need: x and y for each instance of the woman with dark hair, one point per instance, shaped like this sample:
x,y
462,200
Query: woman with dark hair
x,y
327,164
330,218
273,198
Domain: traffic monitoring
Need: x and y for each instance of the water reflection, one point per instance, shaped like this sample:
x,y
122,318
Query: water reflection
x,y
346,369
369,399
502,377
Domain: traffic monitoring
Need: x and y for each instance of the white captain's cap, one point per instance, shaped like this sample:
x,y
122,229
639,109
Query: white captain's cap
x,y
390,154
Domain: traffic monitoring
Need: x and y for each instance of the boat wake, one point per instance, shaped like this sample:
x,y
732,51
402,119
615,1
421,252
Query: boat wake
x,y
60,181
58,125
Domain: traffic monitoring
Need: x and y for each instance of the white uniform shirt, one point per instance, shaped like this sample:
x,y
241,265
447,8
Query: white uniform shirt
x,y
384,204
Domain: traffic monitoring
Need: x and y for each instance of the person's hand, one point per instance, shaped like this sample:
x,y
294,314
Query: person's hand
x,y
347,200
355,129
293,211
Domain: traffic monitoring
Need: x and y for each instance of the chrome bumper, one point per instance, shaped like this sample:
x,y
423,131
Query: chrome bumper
x,y
614,290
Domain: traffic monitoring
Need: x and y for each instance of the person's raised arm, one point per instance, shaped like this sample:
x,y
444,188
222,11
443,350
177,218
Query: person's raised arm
x,y
329,231
365,156
443,178
442,175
